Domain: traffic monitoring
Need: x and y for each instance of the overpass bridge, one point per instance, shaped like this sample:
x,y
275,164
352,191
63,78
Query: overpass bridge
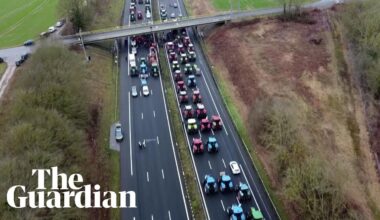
x,y
138,29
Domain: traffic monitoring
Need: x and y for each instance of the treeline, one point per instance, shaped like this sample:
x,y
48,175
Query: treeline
x,y
362,23
308,185
45,122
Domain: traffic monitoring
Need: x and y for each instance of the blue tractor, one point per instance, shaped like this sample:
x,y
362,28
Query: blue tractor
x,y
225,183
143,66
210,185
235,212
244,193
191,82
212,145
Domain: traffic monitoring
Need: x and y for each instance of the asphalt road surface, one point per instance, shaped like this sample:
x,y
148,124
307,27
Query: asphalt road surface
x,y
152,172
231,147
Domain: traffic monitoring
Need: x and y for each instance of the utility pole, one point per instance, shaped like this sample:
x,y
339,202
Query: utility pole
x,y
84,49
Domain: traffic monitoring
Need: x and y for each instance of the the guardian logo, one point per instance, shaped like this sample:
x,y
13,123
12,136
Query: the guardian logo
x,y
67,192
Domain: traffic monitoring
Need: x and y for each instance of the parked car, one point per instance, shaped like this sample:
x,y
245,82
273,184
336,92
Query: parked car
x,y
28,43
118,133
51,29
1,60
44,34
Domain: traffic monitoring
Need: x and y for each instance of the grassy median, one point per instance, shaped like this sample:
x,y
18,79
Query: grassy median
x,y
176,124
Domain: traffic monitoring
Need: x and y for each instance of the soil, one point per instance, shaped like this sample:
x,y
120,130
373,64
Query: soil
x,y
297,61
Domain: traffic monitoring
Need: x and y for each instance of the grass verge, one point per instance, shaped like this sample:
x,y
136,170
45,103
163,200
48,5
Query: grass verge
x,y
175,121
242,131
3,67
108,81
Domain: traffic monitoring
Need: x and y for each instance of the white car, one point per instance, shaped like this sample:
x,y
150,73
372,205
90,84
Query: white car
x,y
134,91
51,29
234,167
148,15
118,132
145,90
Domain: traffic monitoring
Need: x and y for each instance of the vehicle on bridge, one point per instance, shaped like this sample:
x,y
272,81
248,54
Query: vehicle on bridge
x,y
197,98
191,82
212,145
192,126
225,183
254,214
216,122
197,146
205,125
209,184
201,111
235,212
244,193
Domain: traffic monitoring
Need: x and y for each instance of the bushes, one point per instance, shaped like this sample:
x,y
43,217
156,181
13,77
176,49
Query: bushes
x,y
44,124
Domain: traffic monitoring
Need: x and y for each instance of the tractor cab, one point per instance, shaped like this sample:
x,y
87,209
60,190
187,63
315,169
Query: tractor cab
x,y
197,70
188,112
192,126
175,65
197,98
210,185
178,75
172,56
188,69
183,57
197,146
192,56
212,145
191,82
183,97
170,46
205,125
180,47
255,214
186,41
244,194
154,69
216,122
201,111
225,182
181,86
190,47
236,212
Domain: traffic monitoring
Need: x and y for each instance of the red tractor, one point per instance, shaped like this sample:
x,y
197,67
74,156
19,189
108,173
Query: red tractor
x,y
216,122
201,111
197,146
170,46
183,97
181,86
178,76
197,98
186,41
152,56
172,56
205,125
180,48
188,112
190,47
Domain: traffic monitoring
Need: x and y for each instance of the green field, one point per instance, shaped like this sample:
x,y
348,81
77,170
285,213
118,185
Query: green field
x,y
224,5
25,19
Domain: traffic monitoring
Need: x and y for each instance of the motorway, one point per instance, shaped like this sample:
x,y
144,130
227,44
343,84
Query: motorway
x,y
153,172
231,147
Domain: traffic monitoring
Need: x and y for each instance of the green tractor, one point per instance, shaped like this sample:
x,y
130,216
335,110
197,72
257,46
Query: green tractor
x,y
155,69
254,214
188,69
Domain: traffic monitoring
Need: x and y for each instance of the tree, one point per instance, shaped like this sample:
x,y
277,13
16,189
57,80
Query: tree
x,y
79,12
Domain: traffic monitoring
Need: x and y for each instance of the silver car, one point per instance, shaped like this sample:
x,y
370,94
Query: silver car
x,y
134,91
118,132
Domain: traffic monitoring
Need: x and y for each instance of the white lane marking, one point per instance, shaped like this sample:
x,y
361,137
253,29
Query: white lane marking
x,y
250,189
152,217
130,131
158,140
147,176
224,163
170,216
151,92
171,140
162,172
142,115
134,218
209,164
140,93
187,140
154,113
221,201
200,134
212,131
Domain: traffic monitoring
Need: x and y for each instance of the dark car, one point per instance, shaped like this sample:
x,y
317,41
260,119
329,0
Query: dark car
x,y
1,60
139,15
141,1
28,43
133,17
